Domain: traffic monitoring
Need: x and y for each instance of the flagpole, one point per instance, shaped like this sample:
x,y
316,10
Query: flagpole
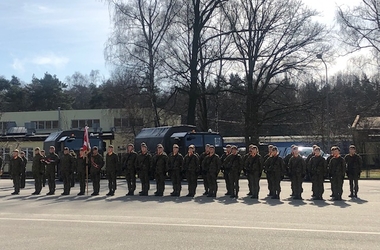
x,y
86,174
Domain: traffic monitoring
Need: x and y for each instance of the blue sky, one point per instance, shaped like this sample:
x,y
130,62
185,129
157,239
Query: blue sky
x,y
65,36
59,37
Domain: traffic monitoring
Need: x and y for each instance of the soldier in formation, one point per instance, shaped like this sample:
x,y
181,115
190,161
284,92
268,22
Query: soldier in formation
x,y
318,169
82,165
51,160
129,166
234,165
191,168
160,164
211,165
112,161
143,168
204,171
337,169
253,167
175,162
354,168
16,167
96,164
67,168
274,168
38,170
297,169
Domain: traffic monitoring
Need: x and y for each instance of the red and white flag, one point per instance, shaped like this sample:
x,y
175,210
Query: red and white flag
x,y
86,141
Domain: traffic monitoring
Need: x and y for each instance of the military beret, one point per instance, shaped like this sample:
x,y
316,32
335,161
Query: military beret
x,y
130,145
37,148
234,147
143,145
81,149
274,148
212,146
228,146
352,146
65,148
191,146
175,146
95,148
16,150
159,146
110,146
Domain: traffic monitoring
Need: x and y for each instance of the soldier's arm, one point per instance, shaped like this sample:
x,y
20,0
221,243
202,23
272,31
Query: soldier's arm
x,y
360,163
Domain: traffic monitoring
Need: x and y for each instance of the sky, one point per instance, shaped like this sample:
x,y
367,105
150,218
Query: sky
x,y
64,36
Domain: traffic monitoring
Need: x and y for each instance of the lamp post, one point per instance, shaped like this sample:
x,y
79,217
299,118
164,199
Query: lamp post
x,y
319,56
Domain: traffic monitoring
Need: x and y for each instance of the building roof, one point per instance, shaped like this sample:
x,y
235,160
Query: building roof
x,y
366,123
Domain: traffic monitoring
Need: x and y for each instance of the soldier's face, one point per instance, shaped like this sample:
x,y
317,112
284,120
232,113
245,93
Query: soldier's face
x,y
129,149
234,151
253,151
175,150
15,154
143,150
207,149
352,151
22,155
317,152
160,150
66,152
110,150
51,150
190,151
212,151
335,152
36,152
229,150
295,151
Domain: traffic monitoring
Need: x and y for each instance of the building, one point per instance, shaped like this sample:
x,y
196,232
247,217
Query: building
x,y
27,130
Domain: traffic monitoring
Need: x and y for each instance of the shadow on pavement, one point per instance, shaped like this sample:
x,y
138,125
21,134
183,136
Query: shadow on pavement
x,y
226,200
249,201
272,202
319,203
341,204
358,201
297,203
204,199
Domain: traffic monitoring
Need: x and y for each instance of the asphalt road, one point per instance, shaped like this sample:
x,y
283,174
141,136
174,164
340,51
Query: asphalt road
x,y
120,222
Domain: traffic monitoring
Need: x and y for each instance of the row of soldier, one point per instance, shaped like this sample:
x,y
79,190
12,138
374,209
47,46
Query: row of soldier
x,y
144,166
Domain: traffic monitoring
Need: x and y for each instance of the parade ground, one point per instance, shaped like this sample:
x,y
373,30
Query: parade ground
x,y
123,222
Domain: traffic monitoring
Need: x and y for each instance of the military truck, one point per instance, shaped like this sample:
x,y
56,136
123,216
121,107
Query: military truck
x,y
183,135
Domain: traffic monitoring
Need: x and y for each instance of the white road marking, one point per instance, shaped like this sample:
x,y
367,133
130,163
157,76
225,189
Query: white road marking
x,y
193,225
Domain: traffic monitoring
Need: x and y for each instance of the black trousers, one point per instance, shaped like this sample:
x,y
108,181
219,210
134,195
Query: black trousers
x,y
130,177
16,182
270,180
95,177
354,183
296,184
317,184
160,183
234,183
37,182
82,181
144,178
205,181
23,178
176,178
111,176
227,179
66,177
50,174
212,182
254,183
337,184
192,181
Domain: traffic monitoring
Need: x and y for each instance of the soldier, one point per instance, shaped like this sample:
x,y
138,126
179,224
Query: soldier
x,y
37,170
159,167
143,167
286,161
112,161
268,173
317,168
275,166
96,163
23,171
204,172
211,164
175,168
52,161
311,154
233,164
254,168
73,173
191,168
44,168
67,167
354,168
337,172
225,171
16,166
297,169
129,164
308,174
81,170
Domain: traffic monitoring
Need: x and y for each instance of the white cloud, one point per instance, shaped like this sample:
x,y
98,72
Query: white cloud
x,y
50,60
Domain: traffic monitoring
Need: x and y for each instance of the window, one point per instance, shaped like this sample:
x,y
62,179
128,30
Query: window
x,y
215,140
128,122
196,140
28,153
46,124
91,123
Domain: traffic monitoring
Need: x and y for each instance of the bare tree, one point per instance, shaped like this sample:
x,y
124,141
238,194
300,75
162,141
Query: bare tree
x,y
273,38
193,50
139,30
360,26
